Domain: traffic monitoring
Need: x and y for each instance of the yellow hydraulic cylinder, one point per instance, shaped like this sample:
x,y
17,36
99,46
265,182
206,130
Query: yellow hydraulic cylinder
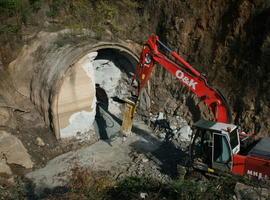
x,y
129,110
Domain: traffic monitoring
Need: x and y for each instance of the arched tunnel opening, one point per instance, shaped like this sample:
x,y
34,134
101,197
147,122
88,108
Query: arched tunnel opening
x,y
92,94
113,73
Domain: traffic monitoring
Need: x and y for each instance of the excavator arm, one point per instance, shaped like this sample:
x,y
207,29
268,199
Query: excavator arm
x,y
184,72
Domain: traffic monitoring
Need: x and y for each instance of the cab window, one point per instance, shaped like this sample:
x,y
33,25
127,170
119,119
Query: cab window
x,y
222,151
234,138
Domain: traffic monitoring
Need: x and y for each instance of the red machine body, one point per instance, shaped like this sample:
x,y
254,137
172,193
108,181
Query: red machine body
x,y
250,164
256,163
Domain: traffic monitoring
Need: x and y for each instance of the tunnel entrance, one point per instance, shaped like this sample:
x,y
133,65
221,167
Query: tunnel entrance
x,y
91,97
113,72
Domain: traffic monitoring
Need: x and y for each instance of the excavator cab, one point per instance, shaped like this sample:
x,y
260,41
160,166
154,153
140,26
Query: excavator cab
x,y
213,145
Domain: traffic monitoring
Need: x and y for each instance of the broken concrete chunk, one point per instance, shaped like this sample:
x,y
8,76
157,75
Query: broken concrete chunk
x,y
248,192
12,149
143,195
144,160
4,116
160,116
162,135
185,133
40,142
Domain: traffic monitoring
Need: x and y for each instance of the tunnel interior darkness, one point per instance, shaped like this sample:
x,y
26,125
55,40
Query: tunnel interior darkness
x,y
122,60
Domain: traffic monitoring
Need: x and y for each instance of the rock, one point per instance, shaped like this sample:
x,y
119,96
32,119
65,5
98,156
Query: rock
x,y
181,170
251,106
14,151
145,101
162,135
185,133
173,127
160,116
1,65
143,195
144,160
176,122
4,116
248,192
4,168
171,106
40,142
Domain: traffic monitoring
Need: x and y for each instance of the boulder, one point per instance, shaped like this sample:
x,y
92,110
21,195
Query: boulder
x,y
40,142
12,149
243,191
4,116
185,133
4,168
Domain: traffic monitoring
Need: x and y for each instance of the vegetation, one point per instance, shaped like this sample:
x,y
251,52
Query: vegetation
x,y
12,191
14,16
89,185
97,15
20,18
86,184
15,13
73,14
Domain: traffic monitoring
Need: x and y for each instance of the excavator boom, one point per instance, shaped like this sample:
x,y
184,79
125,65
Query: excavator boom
x,y
184,72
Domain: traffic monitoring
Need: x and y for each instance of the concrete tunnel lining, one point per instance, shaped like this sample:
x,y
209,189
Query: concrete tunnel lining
x,y
76,98
54,118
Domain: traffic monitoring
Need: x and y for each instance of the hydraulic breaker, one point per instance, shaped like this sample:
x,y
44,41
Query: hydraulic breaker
x,y
129,110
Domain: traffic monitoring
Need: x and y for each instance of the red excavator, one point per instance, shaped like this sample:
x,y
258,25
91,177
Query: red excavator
x,y
216,146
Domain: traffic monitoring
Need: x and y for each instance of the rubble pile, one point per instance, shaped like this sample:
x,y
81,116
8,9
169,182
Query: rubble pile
x,y
171,128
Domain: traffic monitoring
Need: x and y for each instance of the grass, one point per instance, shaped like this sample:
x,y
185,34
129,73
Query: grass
x,y
91,185
86,184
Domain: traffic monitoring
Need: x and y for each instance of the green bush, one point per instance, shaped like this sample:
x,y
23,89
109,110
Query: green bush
x,y
10,7
35,4
131,187
55,7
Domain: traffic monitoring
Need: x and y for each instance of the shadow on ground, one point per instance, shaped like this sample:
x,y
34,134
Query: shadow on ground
x,y
164,154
